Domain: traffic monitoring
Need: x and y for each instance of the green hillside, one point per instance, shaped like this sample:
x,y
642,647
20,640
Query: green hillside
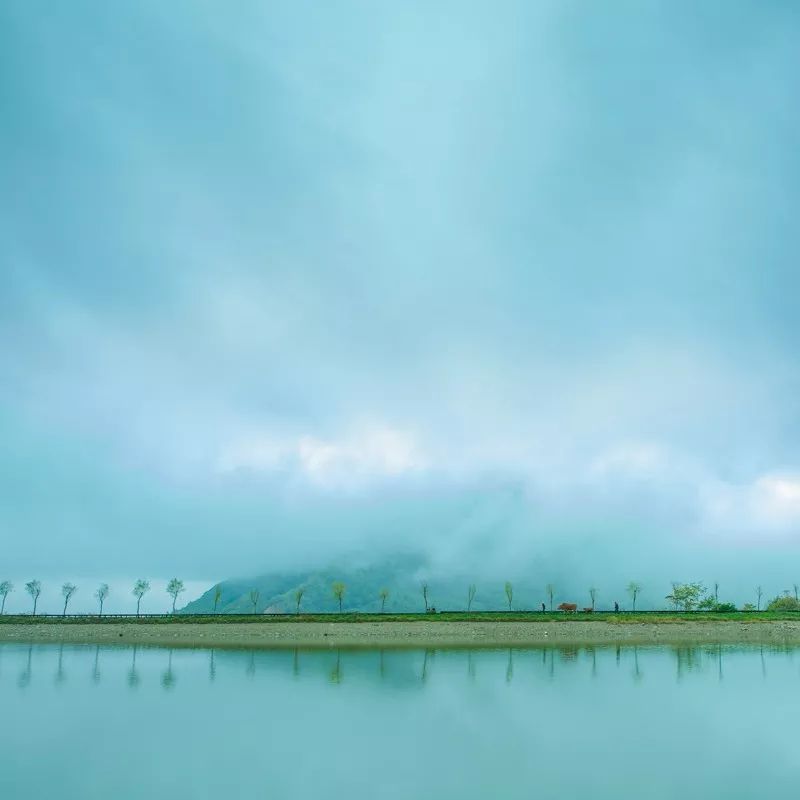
x,y
401,575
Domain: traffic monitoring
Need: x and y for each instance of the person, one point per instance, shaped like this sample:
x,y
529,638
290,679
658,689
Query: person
x,y
616,607
544,608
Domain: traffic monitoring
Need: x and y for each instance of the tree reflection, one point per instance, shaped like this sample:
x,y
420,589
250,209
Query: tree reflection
x,y
96,667
133,676
60,676
25,676
510,666
637,674
336,672
168,677
212,668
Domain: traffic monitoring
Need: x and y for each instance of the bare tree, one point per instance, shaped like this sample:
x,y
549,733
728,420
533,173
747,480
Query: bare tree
x,y
509,593
217,596
140,589
34,589
255,594
67,590
424,587
759,595
633,590
551,590
593,595
471,591
716,593
101,594
384,595
339,590
298,597
174,588
6,587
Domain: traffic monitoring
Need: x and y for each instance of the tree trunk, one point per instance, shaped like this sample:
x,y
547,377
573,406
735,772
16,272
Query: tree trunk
x,y
3,607
383,604
340,605
173,603
35,601
64,614
138,602
101,608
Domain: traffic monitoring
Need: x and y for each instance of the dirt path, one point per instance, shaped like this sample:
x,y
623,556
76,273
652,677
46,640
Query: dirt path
x,y
407,634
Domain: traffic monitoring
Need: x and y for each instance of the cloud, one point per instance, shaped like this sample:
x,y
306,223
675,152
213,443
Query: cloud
x,y
373,454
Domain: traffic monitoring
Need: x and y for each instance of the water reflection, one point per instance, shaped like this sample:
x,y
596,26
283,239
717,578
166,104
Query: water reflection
x,y
24,679
60,676
168,677
133,675
509,722
96,668
395,667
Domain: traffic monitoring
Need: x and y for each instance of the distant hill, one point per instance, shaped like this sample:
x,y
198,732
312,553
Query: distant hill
x,y
401,575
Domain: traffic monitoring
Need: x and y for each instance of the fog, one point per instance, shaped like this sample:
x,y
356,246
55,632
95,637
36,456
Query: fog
x,y
514,287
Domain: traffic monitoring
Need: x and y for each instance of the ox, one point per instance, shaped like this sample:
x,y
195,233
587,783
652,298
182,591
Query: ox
x,y
567,607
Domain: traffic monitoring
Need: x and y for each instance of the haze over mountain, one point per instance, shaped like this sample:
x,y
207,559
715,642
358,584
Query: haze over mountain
x,y
513,287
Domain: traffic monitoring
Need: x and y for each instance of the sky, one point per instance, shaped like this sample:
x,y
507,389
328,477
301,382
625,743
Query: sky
x,y
514,285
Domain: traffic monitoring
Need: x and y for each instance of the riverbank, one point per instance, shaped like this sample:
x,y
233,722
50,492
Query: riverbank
x,y
416,633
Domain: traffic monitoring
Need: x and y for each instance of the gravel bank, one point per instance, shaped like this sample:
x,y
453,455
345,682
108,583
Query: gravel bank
x,y
408,634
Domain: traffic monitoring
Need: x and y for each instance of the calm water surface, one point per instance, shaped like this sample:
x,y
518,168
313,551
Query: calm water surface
x,y
87,722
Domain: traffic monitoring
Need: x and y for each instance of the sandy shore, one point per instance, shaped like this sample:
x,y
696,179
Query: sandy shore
x,y
408,634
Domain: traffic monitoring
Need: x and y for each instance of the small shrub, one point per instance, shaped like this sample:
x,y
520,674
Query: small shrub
x,y
724,608
748,607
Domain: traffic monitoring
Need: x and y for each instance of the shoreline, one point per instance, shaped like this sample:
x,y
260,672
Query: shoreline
x,y
406,634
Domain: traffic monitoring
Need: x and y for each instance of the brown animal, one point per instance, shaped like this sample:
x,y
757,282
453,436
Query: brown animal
x,y
567,607
588,610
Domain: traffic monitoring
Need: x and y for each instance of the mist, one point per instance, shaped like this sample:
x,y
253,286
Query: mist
x,y
513,288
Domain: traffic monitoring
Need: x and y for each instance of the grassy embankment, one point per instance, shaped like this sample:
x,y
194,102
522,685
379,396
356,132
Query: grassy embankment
x,y
622,618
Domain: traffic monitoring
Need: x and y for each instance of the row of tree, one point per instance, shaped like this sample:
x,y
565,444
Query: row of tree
x,y
684,596
140,589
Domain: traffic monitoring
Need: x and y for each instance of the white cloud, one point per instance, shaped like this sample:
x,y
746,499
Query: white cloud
x,y
767,506
371,454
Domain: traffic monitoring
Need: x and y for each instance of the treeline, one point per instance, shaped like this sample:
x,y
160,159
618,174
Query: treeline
x,y
682,597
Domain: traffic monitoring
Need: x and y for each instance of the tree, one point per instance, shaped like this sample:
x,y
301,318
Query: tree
x,y
759,595
339,590
795,592
785,603
551,590
471,591
217,596
6,587
593,595
424,587
67,590
174,588
383,594
509,593
255,594
686,595
101,594
298,596
633,590
716,593
140,589
34,589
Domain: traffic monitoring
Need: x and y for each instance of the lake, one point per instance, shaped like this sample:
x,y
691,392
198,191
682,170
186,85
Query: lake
x,y
120,723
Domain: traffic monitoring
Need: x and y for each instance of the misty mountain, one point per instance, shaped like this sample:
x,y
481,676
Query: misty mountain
x,y
402,575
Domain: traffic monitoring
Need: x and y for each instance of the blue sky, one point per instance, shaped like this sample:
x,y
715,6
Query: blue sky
x,y
513,283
